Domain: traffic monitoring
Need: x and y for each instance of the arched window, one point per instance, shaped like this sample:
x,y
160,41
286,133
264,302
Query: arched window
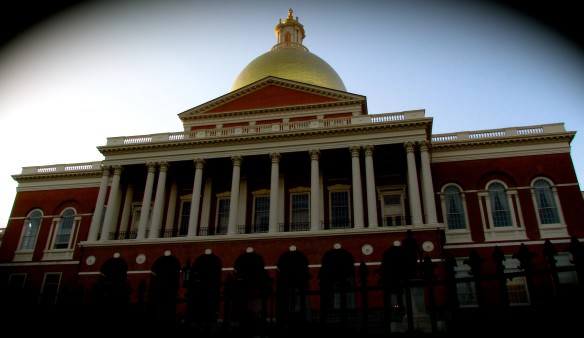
x,y
546,206
499,205
30,230
64,230
454,209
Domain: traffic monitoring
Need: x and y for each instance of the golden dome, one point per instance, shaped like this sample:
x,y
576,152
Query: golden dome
x,y
290,60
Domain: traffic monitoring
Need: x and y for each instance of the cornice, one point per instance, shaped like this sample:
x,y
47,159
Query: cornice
x,y
20,178
506,141
290,134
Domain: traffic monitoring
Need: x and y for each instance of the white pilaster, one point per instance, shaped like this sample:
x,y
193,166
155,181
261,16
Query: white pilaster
x,y
370,183
145,211
111,216
234,199
357,191
171,208
159,202
98,212
274,185
427,186
314,190
413,187
196,198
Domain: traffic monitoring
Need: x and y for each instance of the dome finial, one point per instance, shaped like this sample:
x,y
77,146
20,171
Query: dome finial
x,y
290,11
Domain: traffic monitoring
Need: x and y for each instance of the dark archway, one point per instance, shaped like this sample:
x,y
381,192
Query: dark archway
x,y
204,285
164,286
250,287
337,280
292,286
110,295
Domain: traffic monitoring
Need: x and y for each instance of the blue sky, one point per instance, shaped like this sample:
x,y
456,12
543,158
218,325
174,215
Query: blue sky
x,y
114,68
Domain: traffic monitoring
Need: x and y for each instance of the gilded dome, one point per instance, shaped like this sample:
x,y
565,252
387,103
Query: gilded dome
x,y
290,60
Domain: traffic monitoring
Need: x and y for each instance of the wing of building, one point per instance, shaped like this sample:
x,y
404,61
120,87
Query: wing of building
x,y
285,201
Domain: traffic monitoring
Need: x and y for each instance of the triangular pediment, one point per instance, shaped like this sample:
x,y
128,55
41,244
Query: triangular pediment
x,y
271,93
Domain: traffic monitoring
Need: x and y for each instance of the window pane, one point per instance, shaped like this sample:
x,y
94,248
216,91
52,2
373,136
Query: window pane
x,y
340,209
546,205
65,229
300,214
30,231
500,207
454,212
262,213
185,213
222,216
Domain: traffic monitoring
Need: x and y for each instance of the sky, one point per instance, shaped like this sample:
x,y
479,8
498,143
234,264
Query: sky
x,y
118,68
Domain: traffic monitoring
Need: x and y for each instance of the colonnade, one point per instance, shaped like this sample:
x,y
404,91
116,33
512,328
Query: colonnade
x,y
103,224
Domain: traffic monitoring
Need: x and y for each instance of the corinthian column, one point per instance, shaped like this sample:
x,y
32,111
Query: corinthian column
x,y
98,212
370,184
357,191
274,185
427,186
159,202
413,187
196,198
145,211
234,200
314,191
111,216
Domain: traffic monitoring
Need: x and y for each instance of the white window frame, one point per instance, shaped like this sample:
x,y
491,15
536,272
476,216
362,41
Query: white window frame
x,y
516,284
466,287
492,233
226,196
400,191
263,194
50,252
549,230
179,229
337,189
21,254
42,296
295,225
455,235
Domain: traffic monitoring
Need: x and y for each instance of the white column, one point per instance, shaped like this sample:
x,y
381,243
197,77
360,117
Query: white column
x,y
111,216
274,195
127,211
357,190
413,187
196,198
234,199
427,186
145,211
370,183
158,211
171,208
98,212
314,191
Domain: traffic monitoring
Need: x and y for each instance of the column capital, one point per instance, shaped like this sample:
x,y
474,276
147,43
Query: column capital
x,y
314,154
409,147
199,163
105,169
424,146
236,160
354,150
163,165
275,157
151,166
368,150
117,169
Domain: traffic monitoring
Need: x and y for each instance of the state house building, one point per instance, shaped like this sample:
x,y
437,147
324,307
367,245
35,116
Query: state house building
x,y
286,201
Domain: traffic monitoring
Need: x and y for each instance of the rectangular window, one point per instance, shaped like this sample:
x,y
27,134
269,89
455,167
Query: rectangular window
x,y
185,213
222,215
300,211
261,213
392,209
50,288
16,281
339,209
465,288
